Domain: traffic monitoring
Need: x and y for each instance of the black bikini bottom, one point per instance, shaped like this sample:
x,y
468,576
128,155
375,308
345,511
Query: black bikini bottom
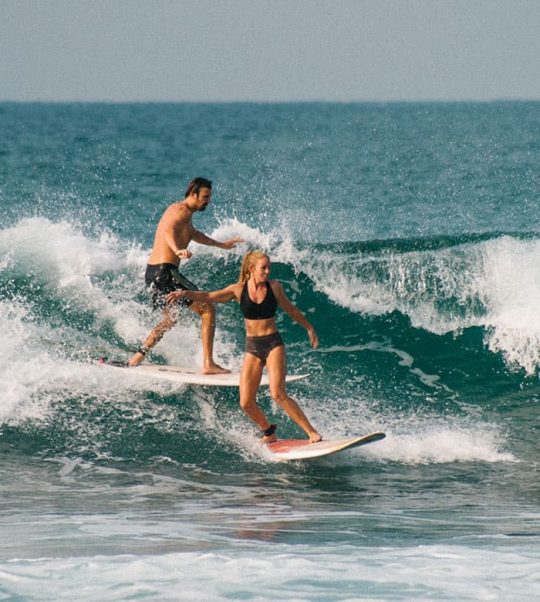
x,y
261,346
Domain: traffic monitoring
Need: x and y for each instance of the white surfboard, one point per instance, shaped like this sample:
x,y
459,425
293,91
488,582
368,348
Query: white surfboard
x,y
302,449
188,376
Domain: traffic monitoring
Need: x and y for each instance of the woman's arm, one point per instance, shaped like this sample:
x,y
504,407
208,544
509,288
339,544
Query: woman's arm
x,y
224,295
288,306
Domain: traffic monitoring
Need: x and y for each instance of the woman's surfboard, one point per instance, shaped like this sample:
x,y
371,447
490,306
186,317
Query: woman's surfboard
x,y
302,449
187,376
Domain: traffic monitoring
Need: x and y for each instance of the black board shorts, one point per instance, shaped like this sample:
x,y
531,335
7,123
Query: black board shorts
x,y
164,278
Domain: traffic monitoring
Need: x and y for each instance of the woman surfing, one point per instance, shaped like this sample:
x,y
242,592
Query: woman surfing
x,y
259,298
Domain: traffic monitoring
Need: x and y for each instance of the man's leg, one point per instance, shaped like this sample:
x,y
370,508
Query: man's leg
x,y
155,335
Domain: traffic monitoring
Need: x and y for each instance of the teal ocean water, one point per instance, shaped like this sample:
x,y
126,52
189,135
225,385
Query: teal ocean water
x,y
410,236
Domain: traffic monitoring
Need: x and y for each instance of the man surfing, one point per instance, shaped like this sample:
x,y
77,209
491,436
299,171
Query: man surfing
x,y
174,232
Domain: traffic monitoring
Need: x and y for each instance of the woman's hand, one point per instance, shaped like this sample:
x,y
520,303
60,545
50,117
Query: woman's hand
x,y
175,296
313,338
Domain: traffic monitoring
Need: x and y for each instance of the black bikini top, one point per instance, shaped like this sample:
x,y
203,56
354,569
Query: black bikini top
x,y
258,311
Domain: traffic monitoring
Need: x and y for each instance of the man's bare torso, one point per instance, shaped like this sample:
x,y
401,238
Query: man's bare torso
x,y
174,231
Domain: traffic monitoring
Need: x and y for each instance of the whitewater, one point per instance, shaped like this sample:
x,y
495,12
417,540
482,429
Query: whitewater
x,y
409,236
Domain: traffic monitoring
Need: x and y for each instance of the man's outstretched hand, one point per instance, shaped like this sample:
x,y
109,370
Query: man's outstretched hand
x,y
230,244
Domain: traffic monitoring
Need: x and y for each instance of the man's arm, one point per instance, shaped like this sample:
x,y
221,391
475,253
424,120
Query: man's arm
x,y
203,239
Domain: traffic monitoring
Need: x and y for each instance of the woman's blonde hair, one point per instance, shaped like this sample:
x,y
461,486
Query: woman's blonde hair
x,y
250,259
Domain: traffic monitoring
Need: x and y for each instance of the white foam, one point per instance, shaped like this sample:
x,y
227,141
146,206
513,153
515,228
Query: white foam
x,y
418,436
511,290
23,368
65,261
444,444
273,570
69,267
494,285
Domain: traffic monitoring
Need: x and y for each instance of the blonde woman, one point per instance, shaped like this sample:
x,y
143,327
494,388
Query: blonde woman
x,y
259,298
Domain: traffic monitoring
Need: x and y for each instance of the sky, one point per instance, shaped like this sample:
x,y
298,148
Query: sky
x,y
269,50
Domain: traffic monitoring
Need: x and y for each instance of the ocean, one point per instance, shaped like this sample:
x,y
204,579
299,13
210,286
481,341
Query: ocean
x,y
409,235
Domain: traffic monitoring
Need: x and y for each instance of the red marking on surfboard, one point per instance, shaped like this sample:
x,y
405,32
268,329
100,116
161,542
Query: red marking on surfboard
x,y
302,449
282,445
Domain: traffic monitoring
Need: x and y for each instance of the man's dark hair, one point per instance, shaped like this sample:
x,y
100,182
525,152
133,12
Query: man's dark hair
x,y
196,184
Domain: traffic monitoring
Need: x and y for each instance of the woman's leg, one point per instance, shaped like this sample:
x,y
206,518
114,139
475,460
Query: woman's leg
x,y
250,379
276,366
207,312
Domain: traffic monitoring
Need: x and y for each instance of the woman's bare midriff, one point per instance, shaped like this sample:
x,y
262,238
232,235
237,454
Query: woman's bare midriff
x,y
260,328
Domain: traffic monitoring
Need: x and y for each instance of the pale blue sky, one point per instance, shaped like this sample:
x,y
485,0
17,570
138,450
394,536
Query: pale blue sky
x,y
269,50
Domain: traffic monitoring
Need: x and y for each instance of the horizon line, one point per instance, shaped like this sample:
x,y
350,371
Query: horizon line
x,y
282,101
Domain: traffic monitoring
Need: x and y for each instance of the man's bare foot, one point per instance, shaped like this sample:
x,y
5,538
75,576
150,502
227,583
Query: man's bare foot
x,y
315,437
269,438
213,368
135,359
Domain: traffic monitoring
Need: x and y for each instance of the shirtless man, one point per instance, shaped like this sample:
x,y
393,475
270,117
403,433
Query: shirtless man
x,y
173,234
